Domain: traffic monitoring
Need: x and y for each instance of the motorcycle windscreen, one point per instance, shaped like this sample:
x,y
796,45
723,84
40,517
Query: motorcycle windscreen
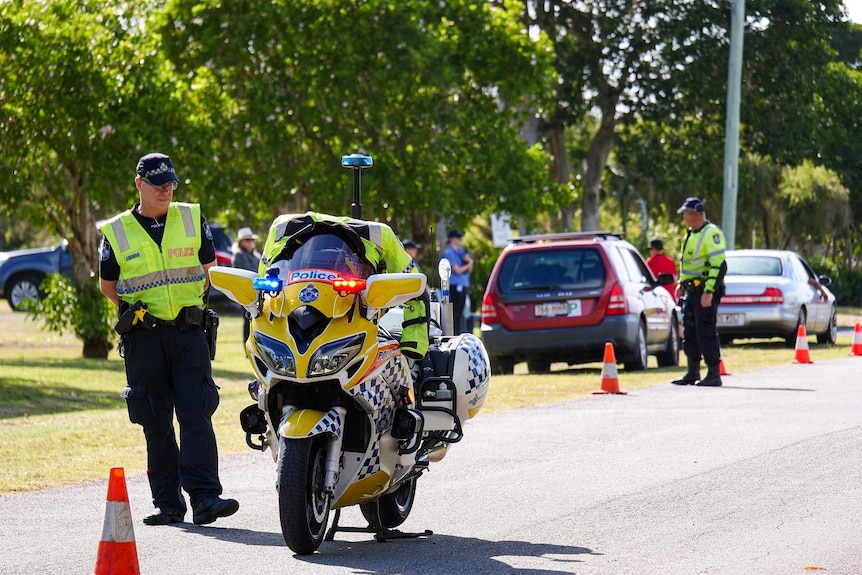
x,y
309,272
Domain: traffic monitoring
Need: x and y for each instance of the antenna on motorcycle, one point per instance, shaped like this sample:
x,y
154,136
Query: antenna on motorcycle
x,y
357,163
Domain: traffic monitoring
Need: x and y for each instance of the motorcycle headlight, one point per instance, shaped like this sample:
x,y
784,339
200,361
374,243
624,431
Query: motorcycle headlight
x,y
275,354
335,355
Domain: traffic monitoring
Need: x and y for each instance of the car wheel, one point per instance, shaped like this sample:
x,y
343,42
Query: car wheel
x,y
22,288
502,365
640,362
790,339
830,336
538,366
670,356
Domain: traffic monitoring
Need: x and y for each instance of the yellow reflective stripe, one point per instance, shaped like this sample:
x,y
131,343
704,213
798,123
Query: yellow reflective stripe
x,y
280,230
699,247
188,222
120,233
172,276
375,235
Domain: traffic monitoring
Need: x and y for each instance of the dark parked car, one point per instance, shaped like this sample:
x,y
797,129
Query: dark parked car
x,y
22,271
562,297
770,293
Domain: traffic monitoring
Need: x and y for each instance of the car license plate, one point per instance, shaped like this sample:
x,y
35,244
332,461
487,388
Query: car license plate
x,y
571,308
730,318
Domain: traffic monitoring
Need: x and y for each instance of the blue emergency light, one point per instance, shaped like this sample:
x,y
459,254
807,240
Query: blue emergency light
x,y
356,161
270,283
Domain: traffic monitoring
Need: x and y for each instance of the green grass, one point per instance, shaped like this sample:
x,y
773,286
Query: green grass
x,y
62,419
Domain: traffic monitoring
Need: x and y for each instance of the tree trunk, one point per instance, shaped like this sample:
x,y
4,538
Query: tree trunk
x,y
561,170
83,249
594,166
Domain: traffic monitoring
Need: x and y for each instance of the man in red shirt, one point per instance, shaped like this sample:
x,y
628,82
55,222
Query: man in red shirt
x,y
660,263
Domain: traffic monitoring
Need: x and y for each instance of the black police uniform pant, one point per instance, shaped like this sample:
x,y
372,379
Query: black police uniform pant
x,y
700,332
169,372
459,301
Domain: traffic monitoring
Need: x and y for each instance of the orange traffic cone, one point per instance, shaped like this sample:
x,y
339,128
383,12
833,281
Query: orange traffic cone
x,y
856,348
802,355
117,553
610,381
721,369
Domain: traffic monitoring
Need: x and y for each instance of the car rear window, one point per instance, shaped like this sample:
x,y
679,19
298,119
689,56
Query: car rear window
x,y
753,266
570,268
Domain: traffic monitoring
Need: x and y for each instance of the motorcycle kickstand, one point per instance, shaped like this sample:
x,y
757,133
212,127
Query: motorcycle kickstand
x,y
381,534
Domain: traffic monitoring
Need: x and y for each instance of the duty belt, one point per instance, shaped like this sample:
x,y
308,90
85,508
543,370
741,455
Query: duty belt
x,y
696,285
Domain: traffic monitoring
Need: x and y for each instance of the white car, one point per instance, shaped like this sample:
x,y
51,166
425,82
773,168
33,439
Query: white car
x,y
770,293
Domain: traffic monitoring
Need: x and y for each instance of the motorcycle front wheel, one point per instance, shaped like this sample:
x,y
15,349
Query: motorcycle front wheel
x,y
392,509
302,505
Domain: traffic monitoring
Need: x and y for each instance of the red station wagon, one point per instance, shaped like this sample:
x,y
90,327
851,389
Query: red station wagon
x,y
562,297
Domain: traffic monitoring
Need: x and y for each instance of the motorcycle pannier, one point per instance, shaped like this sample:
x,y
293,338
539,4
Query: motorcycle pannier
x,y
455,381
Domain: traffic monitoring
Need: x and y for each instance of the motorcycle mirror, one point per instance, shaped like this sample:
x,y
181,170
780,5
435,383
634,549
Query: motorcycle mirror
x,y
236,284
390,290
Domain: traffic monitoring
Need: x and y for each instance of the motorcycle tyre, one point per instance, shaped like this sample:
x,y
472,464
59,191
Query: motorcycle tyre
x,y
392,509
303,508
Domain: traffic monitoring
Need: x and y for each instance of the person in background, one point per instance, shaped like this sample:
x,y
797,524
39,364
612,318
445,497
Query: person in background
x,y
412,247
245,256
660,263
154,263
380,248
459,282
701,282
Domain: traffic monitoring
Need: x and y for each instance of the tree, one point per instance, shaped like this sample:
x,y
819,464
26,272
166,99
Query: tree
x,y
666,61
612,57
436,93
83,92
815,206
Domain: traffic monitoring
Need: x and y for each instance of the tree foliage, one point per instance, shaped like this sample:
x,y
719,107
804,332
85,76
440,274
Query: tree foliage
x,y
436,93
83,91
814,206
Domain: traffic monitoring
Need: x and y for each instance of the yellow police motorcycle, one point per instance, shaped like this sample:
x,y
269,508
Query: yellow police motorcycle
x,y
348,422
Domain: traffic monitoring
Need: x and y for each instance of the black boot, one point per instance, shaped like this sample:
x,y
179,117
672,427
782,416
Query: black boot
x,y
692,374
713,377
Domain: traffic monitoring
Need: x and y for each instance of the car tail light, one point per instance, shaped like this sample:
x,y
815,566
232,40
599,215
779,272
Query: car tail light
x,y
771,295
223,259
489,311
617,303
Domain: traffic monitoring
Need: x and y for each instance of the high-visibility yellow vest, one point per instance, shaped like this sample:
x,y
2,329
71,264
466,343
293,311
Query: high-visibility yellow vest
x,y
166,279
702,256
379,241
380,247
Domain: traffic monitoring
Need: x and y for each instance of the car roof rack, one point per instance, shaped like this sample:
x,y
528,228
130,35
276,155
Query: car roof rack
x,y
566,236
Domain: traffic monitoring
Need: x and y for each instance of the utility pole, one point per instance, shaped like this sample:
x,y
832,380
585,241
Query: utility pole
x,y
731,142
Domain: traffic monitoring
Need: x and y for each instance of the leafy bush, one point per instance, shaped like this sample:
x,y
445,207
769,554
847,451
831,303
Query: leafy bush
x,y
846,282
88,315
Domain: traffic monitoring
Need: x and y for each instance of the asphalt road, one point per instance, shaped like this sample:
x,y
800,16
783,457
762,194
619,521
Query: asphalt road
x,y
762,476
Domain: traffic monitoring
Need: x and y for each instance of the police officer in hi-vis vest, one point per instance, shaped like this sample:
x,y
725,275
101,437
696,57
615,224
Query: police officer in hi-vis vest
x,y
377,244
701,285
154,262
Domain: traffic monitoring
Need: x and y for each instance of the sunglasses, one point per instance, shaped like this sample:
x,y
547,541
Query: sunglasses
x,y
171,185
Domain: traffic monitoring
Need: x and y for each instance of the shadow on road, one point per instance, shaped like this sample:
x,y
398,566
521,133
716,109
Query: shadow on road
x,y
244,536
749,388
447,554
431,555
